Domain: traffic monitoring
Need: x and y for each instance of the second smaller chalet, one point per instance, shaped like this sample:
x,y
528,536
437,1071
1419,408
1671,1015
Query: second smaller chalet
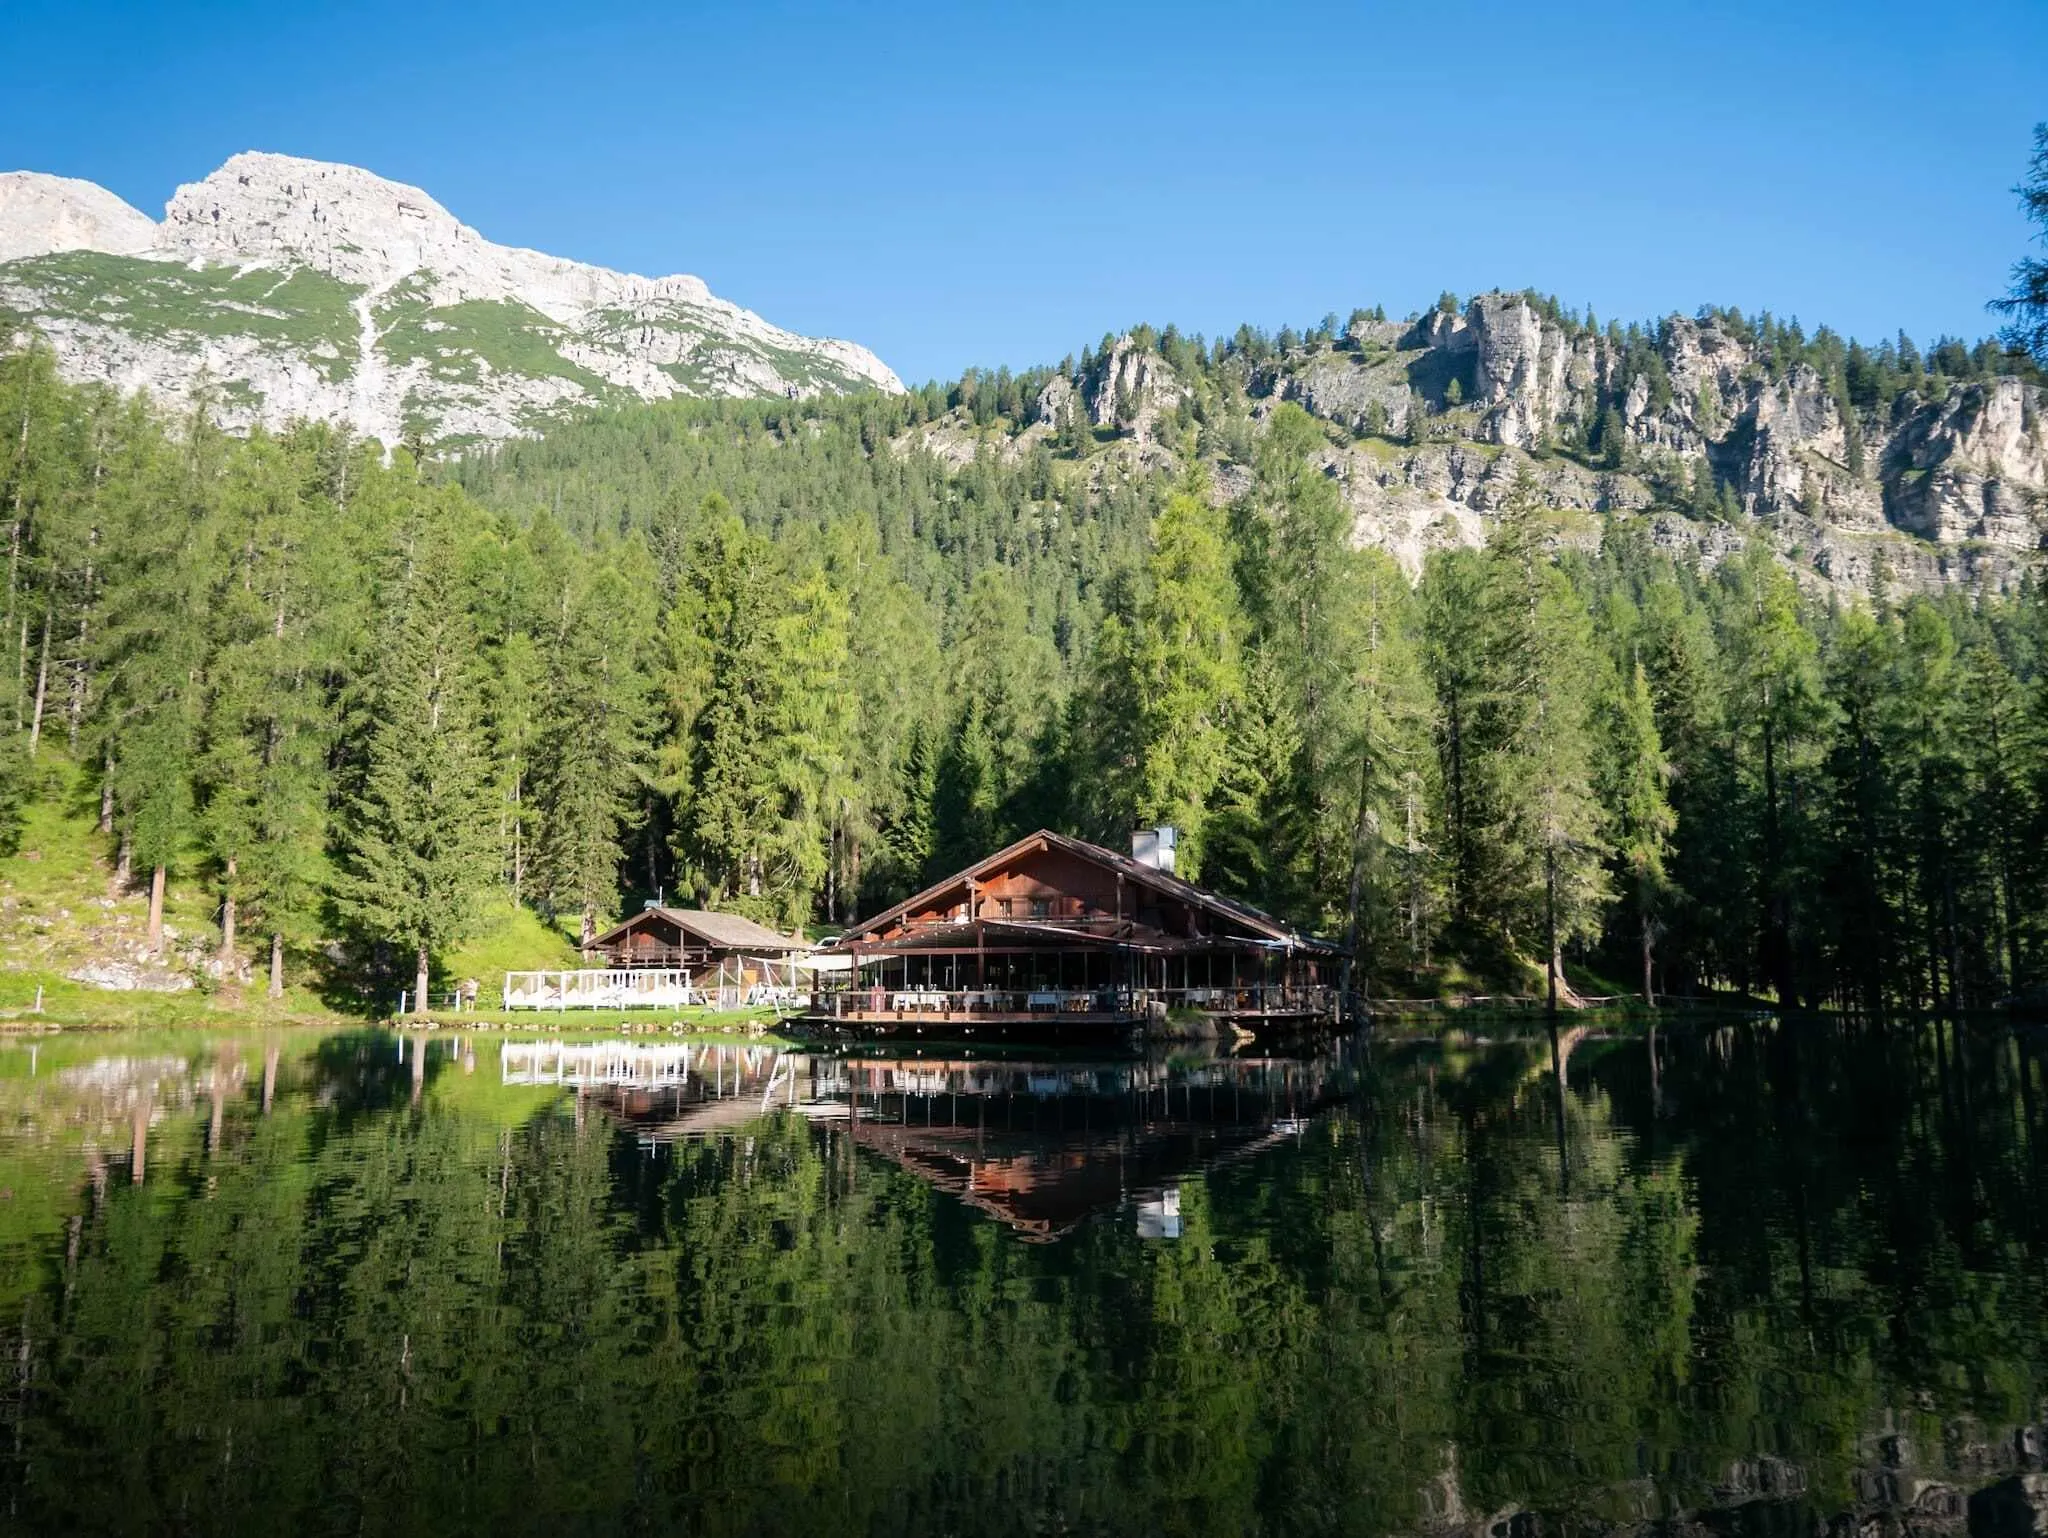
x,y
720,948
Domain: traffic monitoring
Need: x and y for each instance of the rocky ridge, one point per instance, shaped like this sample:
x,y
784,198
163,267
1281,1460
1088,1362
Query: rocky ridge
x,y
1689,431
299,288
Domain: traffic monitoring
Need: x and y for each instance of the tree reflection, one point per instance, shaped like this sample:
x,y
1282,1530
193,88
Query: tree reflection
x,y
1795,1268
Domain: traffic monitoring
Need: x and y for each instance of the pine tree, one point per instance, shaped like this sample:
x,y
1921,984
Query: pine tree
x,y
1253,833
724,652
2025,303
1185,656
422,827
1999,809
1634,787
593,736
1775,711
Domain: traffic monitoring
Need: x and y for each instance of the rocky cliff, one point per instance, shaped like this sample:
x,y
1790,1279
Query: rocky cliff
x,y
299,288
1867,469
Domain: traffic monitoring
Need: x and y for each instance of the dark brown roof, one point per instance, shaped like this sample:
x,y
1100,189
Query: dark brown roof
x,y
721,931
1244,914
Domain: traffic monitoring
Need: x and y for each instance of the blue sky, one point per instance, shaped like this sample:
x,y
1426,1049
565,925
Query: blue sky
x,y
984,183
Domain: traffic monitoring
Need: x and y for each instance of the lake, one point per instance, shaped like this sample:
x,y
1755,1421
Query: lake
x,y
1748,1277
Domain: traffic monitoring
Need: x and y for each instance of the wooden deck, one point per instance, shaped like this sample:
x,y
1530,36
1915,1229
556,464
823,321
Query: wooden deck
x,y
1061,1010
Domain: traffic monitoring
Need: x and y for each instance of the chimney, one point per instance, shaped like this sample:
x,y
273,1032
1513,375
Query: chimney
x,y
1153,847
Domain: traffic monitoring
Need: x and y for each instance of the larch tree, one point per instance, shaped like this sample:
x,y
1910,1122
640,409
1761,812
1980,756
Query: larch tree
x,y
1998,801
1253,835
153,645
269,716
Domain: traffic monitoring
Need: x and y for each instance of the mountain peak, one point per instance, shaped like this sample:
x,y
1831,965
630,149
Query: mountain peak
x,y
41,214
309,288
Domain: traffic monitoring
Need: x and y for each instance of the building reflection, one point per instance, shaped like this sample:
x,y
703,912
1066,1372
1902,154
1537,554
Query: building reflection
x,y
1042,1145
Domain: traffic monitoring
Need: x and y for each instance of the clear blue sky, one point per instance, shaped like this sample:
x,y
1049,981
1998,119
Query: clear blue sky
x,y
980,183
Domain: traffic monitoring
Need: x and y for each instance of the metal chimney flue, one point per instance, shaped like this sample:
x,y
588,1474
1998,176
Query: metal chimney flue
x,y
1154,847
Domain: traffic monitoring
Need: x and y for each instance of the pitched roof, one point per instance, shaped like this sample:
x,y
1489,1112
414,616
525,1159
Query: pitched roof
x,y
724,931
1241,913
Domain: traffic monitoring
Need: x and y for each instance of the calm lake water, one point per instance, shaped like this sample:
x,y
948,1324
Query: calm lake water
x,y
1762,1279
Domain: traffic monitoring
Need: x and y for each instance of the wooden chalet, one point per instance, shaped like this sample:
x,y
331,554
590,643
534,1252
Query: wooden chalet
x,y
715,950
1055,930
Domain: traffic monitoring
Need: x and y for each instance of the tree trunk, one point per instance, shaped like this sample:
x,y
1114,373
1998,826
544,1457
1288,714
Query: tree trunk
x,y
419,990
156,911
107,795
1777,929
589,937
124,862
35,731
1550,928
1351,936
227,922
832,877
81,672
1649,946
276,990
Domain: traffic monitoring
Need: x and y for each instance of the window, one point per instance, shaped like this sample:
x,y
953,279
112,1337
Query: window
x,y
1002,907
1041,908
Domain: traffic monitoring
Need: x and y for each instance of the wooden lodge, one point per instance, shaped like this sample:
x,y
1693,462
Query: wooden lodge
x,y
1055,931
719,954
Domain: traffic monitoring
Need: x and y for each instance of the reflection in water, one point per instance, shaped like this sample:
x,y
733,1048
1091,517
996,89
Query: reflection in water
x,y
1745,1278
1039,1145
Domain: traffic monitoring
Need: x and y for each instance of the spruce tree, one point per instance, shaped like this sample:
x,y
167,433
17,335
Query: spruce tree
x,y
421,832
1185,655
1634,784
592,736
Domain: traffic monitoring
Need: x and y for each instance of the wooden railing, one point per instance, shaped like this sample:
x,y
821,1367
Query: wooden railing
x,y
1052,1003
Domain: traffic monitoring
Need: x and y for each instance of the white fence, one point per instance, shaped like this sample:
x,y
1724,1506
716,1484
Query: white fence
x,y
640,988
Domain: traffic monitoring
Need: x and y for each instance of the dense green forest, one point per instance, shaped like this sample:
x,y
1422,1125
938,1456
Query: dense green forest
x,y
779,657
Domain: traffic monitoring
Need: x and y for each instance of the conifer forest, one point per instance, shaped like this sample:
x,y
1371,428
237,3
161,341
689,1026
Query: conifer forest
x,y
790,660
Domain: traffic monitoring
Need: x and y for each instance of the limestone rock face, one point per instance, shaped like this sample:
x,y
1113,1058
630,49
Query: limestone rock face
x,y
306,289
1130,388
1965,471
1521,370
42,214
1054,402
1685,428
1973,466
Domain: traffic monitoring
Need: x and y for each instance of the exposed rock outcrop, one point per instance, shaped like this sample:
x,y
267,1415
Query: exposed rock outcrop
x,y
42,214
1130,389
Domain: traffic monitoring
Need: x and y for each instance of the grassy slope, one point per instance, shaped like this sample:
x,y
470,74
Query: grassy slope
x,y
302,309
60,909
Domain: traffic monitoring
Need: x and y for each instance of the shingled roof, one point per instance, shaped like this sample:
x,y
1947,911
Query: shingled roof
x,y
1261,923
720,931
